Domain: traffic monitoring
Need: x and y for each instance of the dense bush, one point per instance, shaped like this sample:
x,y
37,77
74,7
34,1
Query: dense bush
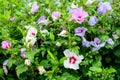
x,y
60,39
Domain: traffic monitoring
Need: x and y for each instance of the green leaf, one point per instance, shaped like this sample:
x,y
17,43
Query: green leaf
x,y
1,71
30,55
20,69
96,69
52,37
117,53
111,70
7,15
62,60
51,55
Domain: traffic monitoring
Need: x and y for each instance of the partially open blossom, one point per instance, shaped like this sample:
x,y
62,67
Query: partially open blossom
x,y
22,52
41,70
63,33
110,41
34,7
80,31
30,38
6,44
55,15
93,20
43,19
73,60
78,15
47,10
96,44
103,7
5,67
12,18
85,43
27,62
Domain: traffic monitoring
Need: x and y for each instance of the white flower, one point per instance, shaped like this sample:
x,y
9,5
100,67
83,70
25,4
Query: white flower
x,y
110,41
27,62
73,60
63,33
41,70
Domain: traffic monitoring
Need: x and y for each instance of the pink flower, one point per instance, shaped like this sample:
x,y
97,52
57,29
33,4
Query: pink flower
x,y
5,45
78,15
55,15
34,8
73,60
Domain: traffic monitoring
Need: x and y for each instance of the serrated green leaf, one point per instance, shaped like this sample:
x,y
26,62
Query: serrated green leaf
x,y
20,69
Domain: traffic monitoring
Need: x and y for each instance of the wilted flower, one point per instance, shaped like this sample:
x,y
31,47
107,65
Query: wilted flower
x,y
85,43
27,62
115,36
44,32
80,31
43,19
63,33
58,44
41,70
5,66
93,20
78,15
89,2
110,41
6,44
12,18
55,15
96,44
73,60
104,7
74,6
34,8
47,10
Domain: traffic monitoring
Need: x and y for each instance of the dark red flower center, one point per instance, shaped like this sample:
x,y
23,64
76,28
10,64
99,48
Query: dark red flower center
x,y
79,18
72,60
33,34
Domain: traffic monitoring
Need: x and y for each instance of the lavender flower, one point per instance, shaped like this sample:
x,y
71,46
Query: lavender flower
x,y
93,20
96,44
34,8
110,41
80,31
5,67
55,15
85,43
43,19
103,7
